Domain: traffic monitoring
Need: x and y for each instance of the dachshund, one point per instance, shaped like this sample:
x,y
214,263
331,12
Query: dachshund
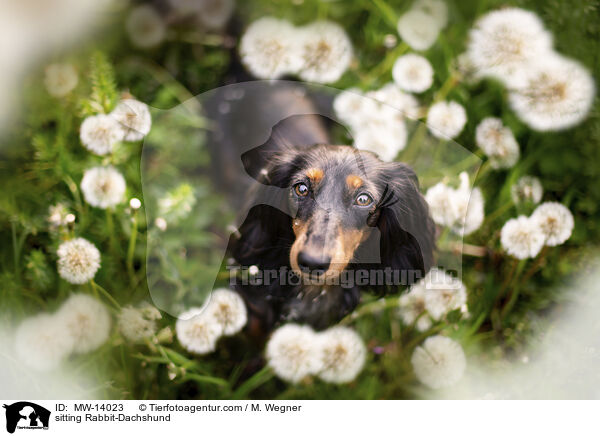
x,y
317,213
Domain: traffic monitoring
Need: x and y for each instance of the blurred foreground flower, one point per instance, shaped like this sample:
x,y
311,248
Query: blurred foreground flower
x,y
145,27
197,332
446,119
292,352
413,73
527,189
42,342
342,354
86,320
506,42
138,323
228,310
522,237
555,94
555,221
134,119
440,362
60,79
497,142
318,52
103,187
461,209
99,133
78,260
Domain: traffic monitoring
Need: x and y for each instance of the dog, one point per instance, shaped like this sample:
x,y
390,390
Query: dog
x,y
316,212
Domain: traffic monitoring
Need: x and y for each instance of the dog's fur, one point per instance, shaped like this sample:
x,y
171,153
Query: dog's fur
x,y
325,225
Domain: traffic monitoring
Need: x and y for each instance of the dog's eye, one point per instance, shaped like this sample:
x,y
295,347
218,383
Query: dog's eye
x,y
363,200
301,189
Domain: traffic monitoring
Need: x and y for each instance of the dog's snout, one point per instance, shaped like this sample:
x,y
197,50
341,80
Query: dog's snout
x,y
313,264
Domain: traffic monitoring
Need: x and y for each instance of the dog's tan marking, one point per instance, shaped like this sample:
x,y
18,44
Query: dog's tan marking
x,y
353,181
315,175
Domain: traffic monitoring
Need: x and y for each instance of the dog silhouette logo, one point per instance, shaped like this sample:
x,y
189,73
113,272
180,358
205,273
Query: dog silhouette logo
x,y
26,415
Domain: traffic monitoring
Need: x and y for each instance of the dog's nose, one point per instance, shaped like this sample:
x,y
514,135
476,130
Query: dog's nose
x,y
312,264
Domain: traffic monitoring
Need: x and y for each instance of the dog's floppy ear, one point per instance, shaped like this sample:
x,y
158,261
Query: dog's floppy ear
x,y
266,234
407,230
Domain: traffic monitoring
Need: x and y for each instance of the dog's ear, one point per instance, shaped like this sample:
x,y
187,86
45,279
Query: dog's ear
x,y
407,231
266,234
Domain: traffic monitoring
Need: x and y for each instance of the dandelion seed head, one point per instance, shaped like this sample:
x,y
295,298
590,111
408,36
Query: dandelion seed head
x,y
86,320
505,42
103,187
269,48
418,29
133,118
60,79
442,292
555,221
527,189
412,308
78,260
342,354
446,119
436,9
497,142
145,27
228,309
137,324
42,343
439,362
406,105
99,133
326,52
413,73
556,94
292,352
197,332
57,215
522,237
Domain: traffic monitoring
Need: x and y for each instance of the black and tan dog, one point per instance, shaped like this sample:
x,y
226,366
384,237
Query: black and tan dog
x,y
319,212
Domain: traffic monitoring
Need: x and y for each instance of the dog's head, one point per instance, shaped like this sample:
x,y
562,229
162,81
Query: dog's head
x,y
334,202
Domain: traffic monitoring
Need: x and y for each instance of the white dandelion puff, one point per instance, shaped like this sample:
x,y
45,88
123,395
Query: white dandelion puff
x,y
351,106
57,215
137,324
527,189
434,8
197,332
42,343
446,119
506,42
522,237
103,187
326,52
443,293
412,308
78,260
60,79
556,94
413,73
497,142
292,352
269,48
145,27
390,94
86,320
461,209
384,137
228,310
342,353
418,29
99,133
555,221
439,362
133,117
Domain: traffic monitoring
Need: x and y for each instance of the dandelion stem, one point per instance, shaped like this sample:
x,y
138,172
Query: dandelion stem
x,y
370,308
106,294
447,86
131,248
110,227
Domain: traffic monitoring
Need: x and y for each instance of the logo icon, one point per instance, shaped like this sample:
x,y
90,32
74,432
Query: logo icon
x,y
26,415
